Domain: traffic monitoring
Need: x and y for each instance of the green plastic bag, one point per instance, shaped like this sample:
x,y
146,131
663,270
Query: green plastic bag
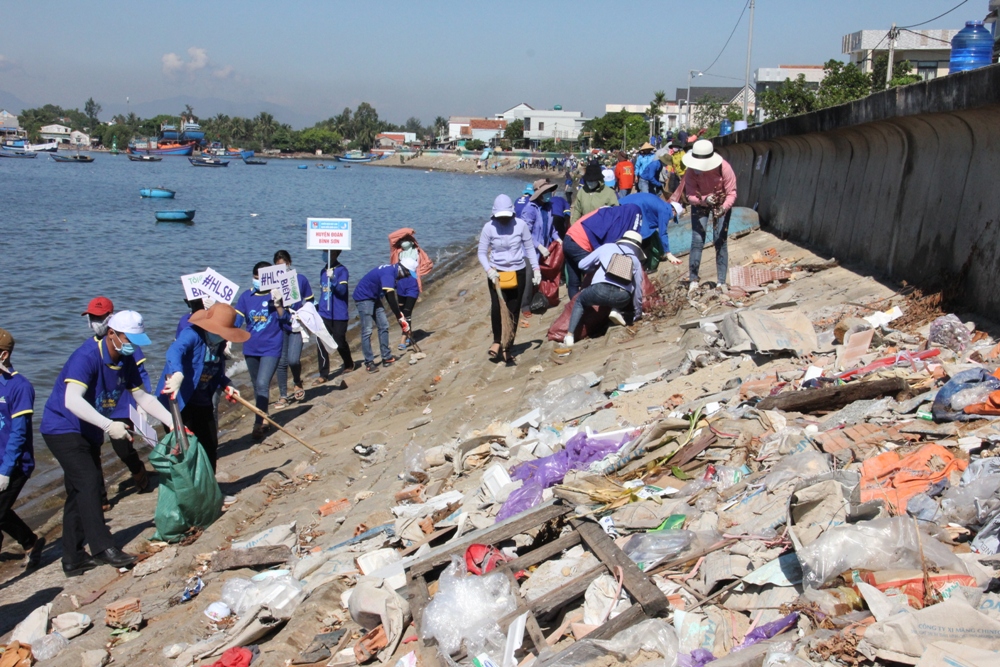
x,y
189,495
654,253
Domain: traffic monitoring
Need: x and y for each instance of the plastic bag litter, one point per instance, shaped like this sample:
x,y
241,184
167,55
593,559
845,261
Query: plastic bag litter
x,y
567,398
974,378
970,396
71,624
49,646
278,593
949,331
971,504
783,655
797,466
233,592
880,544
653,635
466,609
648,549
188,494
413,454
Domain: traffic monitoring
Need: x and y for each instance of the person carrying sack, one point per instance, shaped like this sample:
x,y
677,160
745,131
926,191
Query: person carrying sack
x,y
617,282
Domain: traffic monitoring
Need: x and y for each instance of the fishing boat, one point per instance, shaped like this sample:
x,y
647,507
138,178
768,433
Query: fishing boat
x,y
28,147
174,216
253,161
355,156
155,147
145,158
17,154
157,193
206,161
72,158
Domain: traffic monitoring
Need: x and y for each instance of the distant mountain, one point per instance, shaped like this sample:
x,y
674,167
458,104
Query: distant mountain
x,y
12,102
205,107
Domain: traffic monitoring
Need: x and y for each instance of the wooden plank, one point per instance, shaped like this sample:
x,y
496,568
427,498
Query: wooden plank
x,y
627,618
542,553
634,581
581,652
833,398
418,596
234,559
537,636
437,534
491,535
558,598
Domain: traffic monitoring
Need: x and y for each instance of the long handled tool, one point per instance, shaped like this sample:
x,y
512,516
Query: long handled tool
x,y
253,408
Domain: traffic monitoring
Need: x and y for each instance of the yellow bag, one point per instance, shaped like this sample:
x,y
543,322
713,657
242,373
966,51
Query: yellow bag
x,y
508,280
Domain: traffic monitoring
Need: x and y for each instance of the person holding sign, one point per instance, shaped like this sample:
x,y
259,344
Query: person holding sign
x,y
196,369
291,343
332,307
368,299
77,415
17,456
261,312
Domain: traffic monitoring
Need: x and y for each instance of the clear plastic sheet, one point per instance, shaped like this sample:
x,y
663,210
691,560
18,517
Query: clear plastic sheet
x,y
648,549
797,466
949,331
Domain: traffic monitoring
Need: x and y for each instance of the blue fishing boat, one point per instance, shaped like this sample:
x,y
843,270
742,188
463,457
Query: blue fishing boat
x,y
157,193
303,166
17,154
174,216
207,162
356,156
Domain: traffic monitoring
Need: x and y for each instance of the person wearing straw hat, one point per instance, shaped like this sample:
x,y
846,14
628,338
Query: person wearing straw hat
x,y
643,159
612,286
76,417
196,369
537,214
709,185
505,250
594,194
17,455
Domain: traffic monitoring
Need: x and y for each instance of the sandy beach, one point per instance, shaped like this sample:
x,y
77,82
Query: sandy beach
x,y
466,164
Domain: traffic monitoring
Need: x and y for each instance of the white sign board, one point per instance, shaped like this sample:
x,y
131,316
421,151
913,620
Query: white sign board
x,y
141,424
328,233
218,287
191,284
278,277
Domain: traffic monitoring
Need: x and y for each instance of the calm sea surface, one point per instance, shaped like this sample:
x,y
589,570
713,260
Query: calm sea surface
x,y
69,232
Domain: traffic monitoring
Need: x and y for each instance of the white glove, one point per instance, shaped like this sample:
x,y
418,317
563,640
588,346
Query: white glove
x,y
228,350
493,276
4,482
276,296
710,200
329,273
173,384
117,431
232,393
536,277
543,251
403,324
558,240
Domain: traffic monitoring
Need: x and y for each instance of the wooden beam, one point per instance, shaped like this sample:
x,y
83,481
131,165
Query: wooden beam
x,y
234,559
833,398
542,553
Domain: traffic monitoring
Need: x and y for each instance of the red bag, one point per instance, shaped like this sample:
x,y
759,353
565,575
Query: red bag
x,y
593,324
551,269
483,558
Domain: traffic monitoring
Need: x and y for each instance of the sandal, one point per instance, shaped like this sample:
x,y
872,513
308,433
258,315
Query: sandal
x,y
494,352
508,358
280,403
320,381
300,393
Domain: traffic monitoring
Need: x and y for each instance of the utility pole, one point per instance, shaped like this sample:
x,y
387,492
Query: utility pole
x,y
892,47
746,86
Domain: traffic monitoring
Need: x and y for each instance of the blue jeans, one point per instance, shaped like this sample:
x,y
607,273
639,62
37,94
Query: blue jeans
x,y
720,232
291,357
261,371
601,294
574,254
372,312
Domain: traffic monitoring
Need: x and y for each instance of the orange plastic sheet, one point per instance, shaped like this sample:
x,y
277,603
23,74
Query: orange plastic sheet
x,y
894,479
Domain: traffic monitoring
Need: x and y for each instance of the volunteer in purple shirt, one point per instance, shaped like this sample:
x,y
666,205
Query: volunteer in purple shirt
x,y
17,456
537,215
332,307
291,341
261,313
379,282
77,415
505,250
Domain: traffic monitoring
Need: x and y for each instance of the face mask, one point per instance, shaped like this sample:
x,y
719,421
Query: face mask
x,y
4,364
405,245
256,285
126,349
213,339
593,185
99,327
546,198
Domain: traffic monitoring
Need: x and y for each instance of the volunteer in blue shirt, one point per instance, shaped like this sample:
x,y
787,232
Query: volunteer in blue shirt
x,y
195,305
560,214
592,231
537,215
408,291
644,159
523,200
196,369
17,456
262,314
620,294
77,415
332,307
656,216
291,343
379,282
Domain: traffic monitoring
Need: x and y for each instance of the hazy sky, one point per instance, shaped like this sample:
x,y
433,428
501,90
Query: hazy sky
x,y
418,57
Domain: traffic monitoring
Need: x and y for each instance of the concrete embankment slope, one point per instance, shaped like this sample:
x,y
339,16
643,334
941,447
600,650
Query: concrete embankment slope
x,y
902,182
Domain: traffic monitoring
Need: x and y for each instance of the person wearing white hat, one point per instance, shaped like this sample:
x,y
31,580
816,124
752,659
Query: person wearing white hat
x,y
378,283
617,282
77,415
709,185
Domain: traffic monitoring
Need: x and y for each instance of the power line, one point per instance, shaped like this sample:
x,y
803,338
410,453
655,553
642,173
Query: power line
x,y
936,17
945,41
728,40
720,76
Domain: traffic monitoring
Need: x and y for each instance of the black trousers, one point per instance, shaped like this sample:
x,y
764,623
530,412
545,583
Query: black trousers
x,y
83,519
338,331
10,522
201,420
512,302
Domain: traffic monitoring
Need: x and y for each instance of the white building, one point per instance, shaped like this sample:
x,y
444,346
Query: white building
x,y
929,51
669,118
55,132
78,138
542,124
455,125
770,78
9,125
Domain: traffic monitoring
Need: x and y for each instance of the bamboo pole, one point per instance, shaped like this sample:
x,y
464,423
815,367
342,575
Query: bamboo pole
x,y
260,413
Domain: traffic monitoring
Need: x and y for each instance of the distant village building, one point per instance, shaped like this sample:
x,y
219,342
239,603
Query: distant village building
x,y
485,130
78,138
542,124
395,140
726,95
771,78
9,124
55,132
929,51
669,118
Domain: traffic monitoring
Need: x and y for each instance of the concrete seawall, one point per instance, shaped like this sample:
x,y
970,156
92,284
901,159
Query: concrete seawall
x,y
902,182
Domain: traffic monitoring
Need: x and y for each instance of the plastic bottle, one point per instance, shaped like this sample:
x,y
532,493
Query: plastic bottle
x,y
972,47
725,127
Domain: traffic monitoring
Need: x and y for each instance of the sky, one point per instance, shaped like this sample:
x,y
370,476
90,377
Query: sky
x,y
305,61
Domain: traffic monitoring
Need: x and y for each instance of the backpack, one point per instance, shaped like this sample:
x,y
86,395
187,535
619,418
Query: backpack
x,y
619,269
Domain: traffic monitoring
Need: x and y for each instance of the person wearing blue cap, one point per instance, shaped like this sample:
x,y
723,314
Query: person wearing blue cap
x,y
78,413
523,200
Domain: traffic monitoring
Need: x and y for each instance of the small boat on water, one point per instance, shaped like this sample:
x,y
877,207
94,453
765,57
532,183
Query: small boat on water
x,y
208,162
303,166
17,154
174,216
155,147
253,161
157,193
28,147
71,158
355,156
144,158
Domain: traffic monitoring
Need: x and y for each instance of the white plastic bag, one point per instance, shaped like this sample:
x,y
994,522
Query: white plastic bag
x,y
49,646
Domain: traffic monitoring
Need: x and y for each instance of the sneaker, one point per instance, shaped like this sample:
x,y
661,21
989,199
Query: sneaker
x,y
389,361
568,340
693,287
722,287
617,318
372,368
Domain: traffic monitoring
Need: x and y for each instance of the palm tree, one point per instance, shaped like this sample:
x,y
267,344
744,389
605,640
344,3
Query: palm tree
x,y
440,126
655,110
264,127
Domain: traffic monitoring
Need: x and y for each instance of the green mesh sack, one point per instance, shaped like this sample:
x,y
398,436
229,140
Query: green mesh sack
x,y
189,496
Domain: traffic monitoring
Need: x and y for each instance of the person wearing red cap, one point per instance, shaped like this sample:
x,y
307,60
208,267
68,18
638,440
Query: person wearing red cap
x,y
98,312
